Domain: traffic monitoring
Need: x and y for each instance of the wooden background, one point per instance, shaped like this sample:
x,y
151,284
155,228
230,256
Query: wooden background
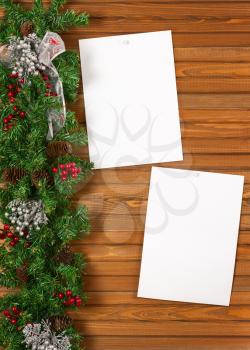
x,y
212,52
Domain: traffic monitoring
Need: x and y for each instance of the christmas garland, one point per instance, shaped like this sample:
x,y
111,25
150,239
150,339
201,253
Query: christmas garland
x,y
39,171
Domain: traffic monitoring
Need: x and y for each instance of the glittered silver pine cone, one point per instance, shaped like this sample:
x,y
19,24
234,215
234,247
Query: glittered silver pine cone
x,y
26,215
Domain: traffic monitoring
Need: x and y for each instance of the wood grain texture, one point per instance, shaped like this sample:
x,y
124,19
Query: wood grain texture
x,y
212,54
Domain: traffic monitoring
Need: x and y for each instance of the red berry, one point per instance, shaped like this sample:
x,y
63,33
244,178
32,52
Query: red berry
x,y
10,116
10,234
13,321
10,94
21,81
9,126
22,114
5,120
60,295
12,243
16,239
15,310
78,170
65,303
74,176
61,166
55,170
6,227
15,75
12,99
78,302
2,235
45,77
18,89
15,108
47,94
48,86
71,301
64,172
68,165
63,178
10,86
68,293
7,313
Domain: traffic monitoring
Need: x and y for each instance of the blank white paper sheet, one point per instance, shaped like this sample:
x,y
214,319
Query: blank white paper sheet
x,y
191,234
130,99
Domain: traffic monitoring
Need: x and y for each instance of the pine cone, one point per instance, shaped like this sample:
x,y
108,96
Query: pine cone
x,y
13,175
26,28
65,256
59,323
58,148
22,274
40,175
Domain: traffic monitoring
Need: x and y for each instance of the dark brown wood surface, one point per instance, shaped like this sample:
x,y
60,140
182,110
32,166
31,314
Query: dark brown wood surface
x,y
212,53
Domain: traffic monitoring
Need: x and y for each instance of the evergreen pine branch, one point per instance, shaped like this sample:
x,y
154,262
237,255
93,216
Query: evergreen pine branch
x,y
24,147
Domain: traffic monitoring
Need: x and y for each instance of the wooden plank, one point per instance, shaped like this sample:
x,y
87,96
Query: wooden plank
x,y
152,313
123,252
217,162
213,85
120,200
130,284
167,343
168,328
197,101
179,39
212,70
132,268
215,116
134,237
212,54
208,144
125,23
130,298
149,9
189,10
137,175
135,222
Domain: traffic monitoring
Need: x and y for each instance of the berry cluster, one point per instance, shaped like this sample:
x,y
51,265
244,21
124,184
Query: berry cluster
x,y
68,299
49,86
66,170
7,233
12,90
12,314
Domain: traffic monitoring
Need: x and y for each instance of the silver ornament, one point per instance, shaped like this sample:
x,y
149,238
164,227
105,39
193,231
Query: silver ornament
x,y
26,52
28,213
41,337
